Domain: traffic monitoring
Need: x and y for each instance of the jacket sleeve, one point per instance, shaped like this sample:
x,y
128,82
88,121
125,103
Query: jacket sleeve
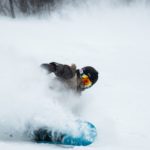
x,y
62,71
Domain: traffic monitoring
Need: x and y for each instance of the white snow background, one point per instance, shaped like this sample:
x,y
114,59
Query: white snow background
x,y
114,40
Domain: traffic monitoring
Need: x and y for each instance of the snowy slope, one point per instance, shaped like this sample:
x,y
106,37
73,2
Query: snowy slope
x,y
113,40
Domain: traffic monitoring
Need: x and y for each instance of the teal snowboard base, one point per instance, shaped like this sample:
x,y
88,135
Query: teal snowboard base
x,y
83,134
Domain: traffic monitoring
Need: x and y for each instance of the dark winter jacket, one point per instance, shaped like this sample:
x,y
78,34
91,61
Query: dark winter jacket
x,y
67,74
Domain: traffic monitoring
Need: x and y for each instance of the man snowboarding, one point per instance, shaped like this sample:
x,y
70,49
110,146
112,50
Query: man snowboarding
x,y
78,80
75,79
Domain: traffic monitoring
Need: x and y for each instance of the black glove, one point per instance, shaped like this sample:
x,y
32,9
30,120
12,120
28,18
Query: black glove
x,y
51,67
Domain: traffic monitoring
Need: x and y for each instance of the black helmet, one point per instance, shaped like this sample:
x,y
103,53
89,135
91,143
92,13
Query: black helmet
x,y
91,73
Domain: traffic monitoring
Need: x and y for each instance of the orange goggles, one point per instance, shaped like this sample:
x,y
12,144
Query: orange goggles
x,y
86,81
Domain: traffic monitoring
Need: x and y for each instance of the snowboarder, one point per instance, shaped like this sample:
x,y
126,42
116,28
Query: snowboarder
x,y
76,79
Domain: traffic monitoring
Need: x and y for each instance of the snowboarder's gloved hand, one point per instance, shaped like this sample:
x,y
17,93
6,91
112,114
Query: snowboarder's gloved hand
x,y
51,67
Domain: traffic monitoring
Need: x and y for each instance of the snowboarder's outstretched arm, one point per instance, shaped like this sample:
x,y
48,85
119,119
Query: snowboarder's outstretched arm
x,y
63,71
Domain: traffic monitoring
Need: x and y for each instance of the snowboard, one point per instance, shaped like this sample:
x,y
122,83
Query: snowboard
x,y
82,134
